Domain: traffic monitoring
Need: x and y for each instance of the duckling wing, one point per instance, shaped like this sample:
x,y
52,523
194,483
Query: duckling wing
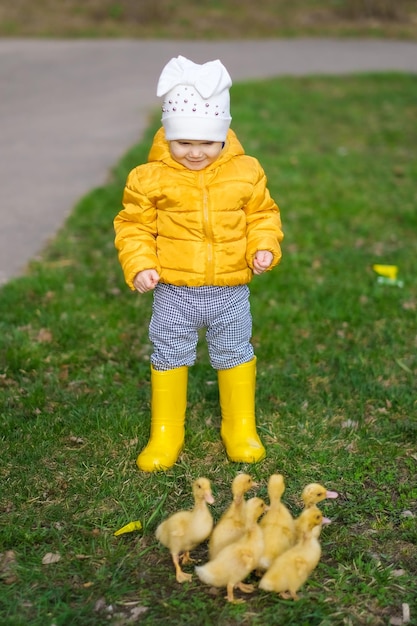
x,y
173,529
229,567
301,567
224,534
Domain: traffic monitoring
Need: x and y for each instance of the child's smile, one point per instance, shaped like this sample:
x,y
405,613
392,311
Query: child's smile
x,y
193,154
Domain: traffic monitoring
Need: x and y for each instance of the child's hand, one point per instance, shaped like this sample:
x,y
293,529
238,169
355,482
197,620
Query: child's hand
x,y
146,280
261,261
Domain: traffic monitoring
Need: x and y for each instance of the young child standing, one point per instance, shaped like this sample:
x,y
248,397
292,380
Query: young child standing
x,y
198,222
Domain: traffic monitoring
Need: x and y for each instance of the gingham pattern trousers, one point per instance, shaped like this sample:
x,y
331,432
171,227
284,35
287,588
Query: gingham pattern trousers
x,y
178,313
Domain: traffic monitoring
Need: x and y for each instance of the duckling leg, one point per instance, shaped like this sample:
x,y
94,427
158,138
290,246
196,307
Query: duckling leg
x,y
230,596
185,559
237,402
181,576
168,405
286,595
245,587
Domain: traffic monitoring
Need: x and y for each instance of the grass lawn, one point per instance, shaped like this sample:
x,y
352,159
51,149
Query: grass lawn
x,y
209,19
336,395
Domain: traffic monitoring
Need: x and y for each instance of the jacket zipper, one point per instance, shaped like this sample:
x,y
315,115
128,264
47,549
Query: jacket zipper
x,y
207,232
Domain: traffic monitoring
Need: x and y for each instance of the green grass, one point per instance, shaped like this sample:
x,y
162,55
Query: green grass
x,y
336,396
209,19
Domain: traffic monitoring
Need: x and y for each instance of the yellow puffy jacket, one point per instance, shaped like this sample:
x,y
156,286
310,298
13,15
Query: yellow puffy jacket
x,y
197,227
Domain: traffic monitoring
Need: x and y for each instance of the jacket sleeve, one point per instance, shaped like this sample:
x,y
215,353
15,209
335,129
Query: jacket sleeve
x,y
135,228
263,221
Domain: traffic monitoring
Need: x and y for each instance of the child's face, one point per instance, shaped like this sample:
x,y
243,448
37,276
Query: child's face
x,y
195,155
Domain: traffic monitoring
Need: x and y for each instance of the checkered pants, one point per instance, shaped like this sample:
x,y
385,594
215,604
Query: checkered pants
x,y
179,312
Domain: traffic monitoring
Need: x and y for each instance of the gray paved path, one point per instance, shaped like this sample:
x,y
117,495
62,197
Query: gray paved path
x,y
70,109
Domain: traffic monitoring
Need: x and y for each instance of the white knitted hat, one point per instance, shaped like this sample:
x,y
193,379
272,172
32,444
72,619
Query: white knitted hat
x,y
196,102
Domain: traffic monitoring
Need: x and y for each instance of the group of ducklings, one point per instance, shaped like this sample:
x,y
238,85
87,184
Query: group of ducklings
x,y
250,536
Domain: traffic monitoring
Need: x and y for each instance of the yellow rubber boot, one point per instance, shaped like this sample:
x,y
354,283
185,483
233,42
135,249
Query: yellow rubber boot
x,y
168,405
237,403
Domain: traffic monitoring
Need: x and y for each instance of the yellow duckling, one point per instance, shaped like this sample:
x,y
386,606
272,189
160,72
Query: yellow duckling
x,y
231,524
237,560
277,524
185,530
292,568
312,494
315,493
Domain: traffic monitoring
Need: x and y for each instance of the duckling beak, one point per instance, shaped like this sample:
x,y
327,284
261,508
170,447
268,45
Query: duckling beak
x,y
332,494
209,498
326,520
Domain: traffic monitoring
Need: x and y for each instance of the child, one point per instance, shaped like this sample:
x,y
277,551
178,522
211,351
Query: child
x,y
197,223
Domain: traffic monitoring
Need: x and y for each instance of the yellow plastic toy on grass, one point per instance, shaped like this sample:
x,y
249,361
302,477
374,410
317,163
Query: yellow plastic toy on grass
x,y
129,528
387,275
389,271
